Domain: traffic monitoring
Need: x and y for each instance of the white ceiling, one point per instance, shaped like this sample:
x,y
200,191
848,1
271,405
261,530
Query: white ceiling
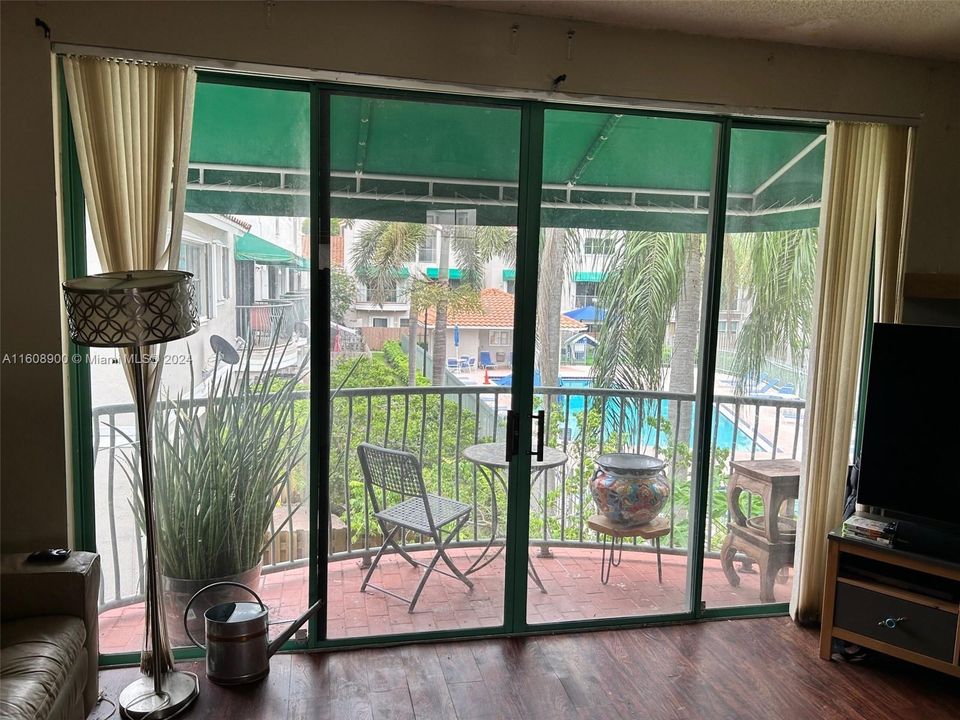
x,y
917,28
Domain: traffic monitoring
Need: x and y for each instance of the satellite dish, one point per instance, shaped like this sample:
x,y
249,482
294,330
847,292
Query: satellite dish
x,y
225,349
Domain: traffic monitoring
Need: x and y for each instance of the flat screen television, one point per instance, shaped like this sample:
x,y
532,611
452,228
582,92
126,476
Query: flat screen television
x,y
910,456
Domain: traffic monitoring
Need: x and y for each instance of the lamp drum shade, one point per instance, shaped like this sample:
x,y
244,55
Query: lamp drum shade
x,y
136,307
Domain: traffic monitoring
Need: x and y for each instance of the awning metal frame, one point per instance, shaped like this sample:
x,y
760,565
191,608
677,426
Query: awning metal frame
x,y
502,191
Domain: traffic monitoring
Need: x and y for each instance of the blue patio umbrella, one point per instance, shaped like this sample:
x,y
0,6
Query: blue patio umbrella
x,y
587,314
456,338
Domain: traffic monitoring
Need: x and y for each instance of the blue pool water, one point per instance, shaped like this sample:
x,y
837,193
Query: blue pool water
x,y
722,423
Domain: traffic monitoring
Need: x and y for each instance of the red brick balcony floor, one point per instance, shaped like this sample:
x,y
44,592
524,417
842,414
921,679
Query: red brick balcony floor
x,y
571,578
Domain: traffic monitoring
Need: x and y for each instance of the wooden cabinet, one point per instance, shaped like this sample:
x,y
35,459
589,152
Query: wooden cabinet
x,y
895,602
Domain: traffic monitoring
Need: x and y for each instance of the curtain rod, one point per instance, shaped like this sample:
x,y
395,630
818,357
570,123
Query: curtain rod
x,y
452,88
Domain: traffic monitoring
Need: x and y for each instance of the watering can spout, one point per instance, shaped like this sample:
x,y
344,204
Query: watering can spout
x,y
294,626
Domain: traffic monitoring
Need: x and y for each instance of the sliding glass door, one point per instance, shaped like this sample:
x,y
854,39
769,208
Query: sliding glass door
x,y
624,222
232,417
763,317
423,201
461,261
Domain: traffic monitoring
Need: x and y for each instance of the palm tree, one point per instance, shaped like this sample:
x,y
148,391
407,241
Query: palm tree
x,y
641,284
559,248
379,257
781,268
385,248
655,275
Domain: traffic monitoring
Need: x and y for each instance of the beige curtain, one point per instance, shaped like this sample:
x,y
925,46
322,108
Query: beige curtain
x,y
132,123
892,219
864,189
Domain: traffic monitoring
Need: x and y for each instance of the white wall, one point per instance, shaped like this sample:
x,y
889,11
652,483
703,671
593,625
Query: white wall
x,y
405,40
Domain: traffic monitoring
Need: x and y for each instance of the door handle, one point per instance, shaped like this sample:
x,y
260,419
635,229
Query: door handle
x,y
513,434
541,432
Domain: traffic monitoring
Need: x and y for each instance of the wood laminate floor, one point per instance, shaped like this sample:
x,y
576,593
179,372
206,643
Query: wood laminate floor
x,y
761,669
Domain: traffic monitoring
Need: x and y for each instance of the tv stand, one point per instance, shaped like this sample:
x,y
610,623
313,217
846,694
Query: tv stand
x,y
895,602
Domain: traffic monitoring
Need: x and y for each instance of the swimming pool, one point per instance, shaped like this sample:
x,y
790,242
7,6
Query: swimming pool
x,y
722,425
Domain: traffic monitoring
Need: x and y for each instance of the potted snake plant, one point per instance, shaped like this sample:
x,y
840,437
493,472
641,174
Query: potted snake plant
x,y
222,464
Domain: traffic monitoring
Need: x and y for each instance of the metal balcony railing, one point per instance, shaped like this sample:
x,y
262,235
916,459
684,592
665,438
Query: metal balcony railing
x,y
437,423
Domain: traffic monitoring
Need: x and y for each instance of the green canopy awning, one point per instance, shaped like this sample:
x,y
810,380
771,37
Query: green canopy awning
x,y
509,274
434,273
582,276
398,159
252,247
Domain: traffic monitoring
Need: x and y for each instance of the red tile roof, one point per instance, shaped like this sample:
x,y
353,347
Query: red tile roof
x,y
496,312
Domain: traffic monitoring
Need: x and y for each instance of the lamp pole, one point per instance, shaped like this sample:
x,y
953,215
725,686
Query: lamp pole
x,y
146,476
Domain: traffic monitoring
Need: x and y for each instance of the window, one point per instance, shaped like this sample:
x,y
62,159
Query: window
x,y
404,322
499,337
394,293
734,325
586,293
427,252
223,287
194,258
722,326
379,322
511,286
598,246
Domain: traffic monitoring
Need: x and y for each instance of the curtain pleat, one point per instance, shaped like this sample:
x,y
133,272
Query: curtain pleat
x,y
864,190
892,221
132,124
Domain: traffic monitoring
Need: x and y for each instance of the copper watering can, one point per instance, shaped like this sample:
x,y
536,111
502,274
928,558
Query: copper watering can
x,y
237,648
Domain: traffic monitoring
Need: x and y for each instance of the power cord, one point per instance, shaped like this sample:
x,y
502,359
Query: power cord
x,y
102,697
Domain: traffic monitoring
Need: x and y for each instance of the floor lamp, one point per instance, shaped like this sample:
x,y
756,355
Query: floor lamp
x,y
133,310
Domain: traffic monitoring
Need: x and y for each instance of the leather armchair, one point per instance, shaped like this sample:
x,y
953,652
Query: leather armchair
x,y
49,637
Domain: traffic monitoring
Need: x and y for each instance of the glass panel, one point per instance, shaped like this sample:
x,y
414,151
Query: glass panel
x,y
624,222
232,505
766,306
424,196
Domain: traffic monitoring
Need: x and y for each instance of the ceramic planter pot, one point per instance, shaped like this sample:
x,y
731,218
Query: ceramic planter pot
x,y
178,591
629,489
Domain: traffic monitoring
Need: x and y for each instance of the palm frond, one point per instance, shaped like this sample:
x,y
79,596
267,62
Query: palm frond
x,y
382,251
641,283
782,268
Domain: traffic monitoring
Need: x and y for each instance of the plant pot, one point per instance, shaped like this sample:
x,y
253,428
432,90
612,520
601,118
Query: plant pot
x,y
628,488
178,591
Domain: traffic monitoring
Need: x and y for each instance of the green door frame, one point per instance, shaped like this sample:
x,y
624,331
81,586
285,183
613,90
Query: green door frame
x,y
530,184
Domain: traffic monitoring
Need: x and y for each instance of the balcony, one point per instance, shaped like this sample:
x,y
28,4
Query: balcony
x,y
437,423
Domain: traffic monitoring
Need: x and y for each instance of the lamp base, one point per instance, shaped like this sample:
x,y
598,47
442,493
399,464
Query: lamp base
x,y
138,701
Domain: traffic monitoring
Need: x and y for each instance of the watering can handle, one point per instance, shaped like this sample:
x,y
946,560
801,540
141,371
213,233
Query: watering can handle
x,y
202,590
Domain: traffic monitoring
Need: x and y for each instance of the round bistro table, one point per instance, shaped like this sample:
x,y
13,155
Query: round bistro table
x,y
490,459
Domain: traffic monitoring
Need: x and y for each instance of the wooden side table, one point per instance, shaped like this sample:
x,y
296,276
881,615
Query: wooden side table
x,y
653,530
768,538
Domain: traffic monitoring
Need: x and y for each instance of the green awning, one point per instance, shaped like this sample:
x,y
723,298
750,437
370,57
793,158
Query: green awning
x,y
398,159
581,276
263,252
434,273
509,274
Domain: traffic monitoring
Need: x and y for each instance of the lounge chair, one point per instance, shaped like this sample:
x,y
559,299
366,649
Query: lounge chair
x,y
485,360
